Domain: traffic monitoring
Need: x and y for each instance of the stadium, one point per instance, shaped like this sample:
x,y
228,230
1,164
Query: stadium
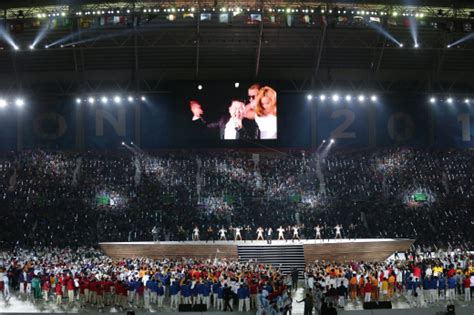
x,y
249,157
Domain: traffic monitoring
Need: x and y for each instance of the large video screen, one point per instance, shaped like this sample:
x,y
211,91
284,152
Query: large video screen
x,y
252,115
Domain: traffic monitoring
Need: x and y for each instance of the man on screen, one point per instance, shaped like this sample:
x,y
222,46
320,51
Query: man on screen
x,y
252,93
233,127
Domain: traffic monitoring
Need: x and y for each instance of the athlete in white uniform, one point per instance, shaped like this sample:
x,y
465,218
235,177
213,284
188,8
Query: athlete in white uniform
x,y
260,231
295,232
238,236
318,232
196,234
222,232
280,231
338,231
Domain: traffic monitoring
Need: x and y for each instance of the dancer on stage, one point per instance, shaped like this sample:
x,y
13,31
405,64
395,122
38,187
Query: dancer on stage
x,y
155,233
248,233
210,234
260,231
288,231
317,228
222,232
338,229
280,231
237,236
296,229
269,235
196,233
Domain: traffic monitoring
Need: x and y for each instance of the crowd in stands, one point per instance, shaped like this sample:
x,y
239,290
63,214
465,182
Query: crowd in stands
x,y
61,198
85,278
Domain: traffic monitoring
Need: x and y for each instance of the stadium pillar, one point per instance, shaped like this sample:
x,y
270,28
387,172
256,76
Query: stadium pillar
x,y
319,53
79,116
372,125
198,41
79,78
313,122
259,41
19,131
136,80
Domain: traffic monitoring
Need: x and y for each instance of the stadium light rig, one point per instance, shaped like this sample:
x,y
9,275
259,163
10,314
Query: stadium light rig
x,y
108,98
462,40
18,102
309,97
5,35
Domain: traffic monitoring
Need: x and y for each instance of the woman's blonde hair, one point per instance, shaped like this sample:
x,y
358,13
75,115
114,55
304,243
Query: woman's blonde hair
x,y
272,95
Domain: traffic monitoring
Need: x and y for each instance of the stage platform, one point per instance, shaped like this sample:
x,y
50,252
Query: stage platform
x,y
333,250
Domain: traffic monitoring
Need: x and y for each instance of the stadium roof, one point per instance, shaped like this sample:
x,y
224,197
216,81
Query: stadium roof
x,y
5,4
141,50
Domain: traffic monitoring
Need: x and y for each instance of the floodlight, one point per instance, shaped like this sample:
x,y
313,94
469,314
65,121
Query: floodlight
x,y
19,102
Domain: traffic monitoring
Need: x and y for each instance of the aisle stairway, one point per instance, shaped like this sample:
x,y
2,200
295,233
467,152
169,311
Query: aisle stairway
x,y
286,257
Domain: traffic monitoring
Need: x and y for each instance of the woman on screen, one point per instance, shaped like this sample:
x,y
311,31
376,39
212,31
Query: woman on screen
x,y
266,112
